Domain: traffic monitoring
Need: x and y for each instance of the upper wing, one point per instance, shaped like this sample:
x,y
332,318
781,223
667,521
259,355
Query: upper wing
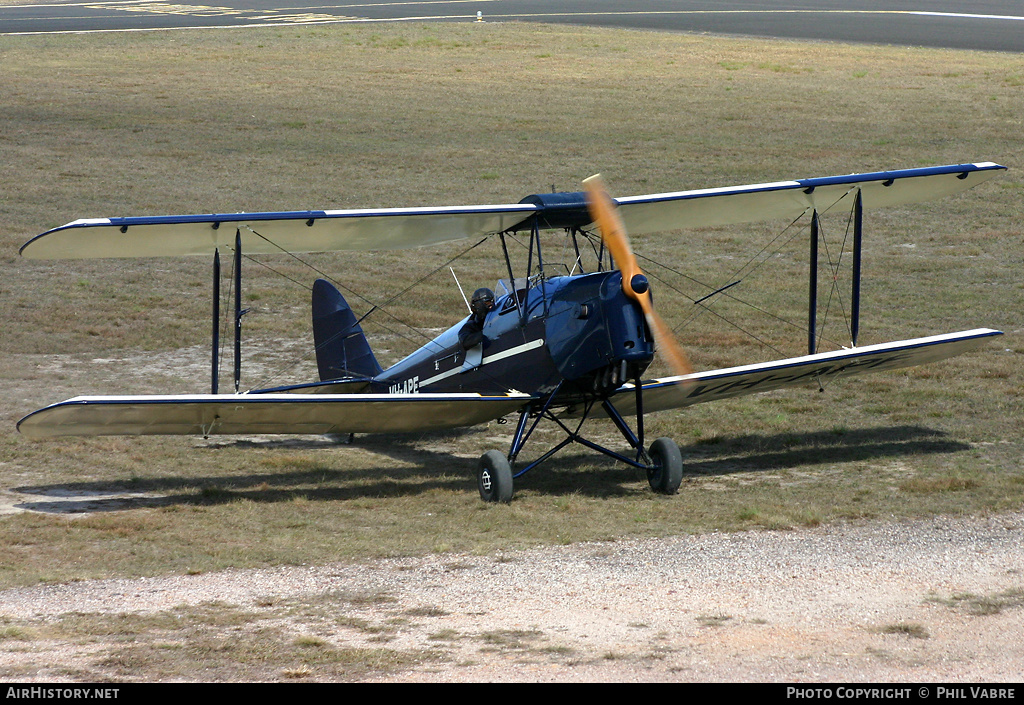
x,y
272,233
790,199
677,392
209,414
399,228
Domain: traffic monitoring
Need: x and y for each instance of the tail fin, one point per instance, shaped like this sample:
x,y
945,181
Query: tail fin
x,y
341,347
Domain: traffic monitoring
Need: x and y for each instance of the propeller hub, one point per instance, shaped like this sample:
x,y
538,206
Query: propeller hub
x,y
639,284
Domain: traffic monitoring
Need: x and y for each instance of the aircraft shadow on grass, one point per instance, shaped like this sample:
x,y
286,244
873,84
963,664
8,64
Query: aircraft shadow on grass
x,y
424,470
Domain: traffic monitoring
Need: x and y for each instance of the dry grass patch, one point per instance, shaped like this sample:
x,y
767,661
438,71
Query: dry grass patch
x,y
209,642
909,629
511,639
939,484
713,620
982,605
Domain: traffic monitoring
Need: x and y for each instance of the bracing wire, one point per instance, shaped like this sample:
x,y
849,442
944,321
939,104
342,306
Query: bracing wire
x,y
834,270
373,307
776,244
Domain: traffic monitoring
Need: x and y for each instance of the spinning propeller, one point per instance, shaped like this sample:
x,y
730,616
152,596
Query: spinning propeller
x,y
634,282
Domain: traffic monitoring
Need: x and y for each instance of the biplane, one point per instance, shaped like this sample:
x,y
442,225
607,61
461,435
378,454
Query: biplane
x,y
559,347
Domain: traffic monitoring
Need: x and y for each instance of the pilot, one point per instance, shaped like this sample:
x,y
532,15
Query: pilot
x,y
472,333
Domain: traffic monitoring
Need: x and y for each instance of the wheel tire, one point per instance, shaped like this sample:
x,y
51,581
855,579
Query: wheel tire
x,y
666,471
494,478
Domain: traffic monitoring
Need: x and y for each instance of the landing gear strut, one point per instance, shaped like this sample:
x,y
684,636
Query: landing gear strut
x,y
663,463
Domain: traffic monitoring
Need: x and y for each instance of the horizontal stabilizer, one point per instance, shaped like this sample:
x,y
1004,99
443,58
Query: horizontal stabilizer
x,y
216,414
678,392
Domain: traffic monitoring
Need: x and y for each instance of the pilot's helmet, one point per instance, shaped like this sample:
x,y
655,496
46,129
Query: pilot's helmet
x,y
482,301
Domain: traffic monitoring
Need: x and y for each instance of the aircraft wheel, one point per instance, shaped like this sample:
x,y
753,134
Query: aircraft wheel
x,y
494,477
666,471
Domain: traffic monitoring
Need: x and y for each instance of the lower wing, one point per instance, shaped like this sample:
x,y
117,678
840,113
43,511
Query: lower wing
x,y
209,414
677,392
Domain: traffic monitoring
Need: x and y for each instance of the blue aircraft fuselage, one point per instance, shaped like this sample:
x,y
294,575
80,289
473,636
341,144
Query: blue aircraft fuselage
x,y
581,331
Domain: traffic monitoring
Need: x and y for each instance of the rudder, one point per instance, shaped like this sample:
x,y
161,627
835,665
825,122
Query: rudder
x,y
341,346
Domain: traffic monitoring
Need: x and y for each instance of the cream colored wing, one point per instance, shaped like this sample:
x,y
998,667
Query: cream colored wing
x,y
216,414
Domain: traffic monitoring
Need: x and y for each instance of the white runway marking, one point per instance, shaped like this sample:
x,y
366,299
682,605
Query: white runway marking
x,y
293,16
967,16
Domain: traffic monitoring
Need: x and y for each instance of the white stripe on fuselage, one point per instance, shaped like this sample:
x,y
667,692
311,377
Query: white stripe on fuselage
x,y
525,347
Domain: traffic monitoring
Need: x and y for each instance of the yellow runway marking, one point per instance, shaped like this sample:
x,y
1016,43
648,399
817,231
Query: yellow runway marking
x,y
163,8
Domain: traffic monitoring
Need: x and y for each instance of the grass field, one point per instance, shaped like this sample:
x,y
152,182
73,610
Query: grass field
x,y
343,116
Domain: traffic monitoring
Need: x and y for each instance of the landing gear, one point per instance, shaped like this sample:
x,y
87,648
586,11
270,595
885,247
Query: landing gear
x,y
494,477
663,463
665,473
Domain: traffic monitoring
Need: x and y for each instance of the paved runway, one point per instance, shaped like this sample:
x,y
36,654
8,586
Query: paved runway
x,y
996,25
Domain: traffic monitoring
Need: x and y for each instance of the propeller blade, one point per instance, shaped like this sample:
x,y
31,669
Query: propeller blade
x,y
634,283
678,362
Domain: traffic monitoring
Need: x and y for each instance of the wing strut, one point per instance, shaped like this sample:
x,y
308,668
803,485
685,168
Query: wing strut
x,y
238,309
858,231
812,289
239,312
215,346
856,269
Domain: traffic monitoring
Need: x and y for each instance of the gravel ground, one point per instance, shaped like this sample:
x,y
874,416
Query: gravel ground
x,y
864,602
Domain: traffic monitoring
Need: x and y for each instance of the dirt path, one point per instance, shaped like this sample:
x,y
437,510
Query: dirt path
x,y
933,600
